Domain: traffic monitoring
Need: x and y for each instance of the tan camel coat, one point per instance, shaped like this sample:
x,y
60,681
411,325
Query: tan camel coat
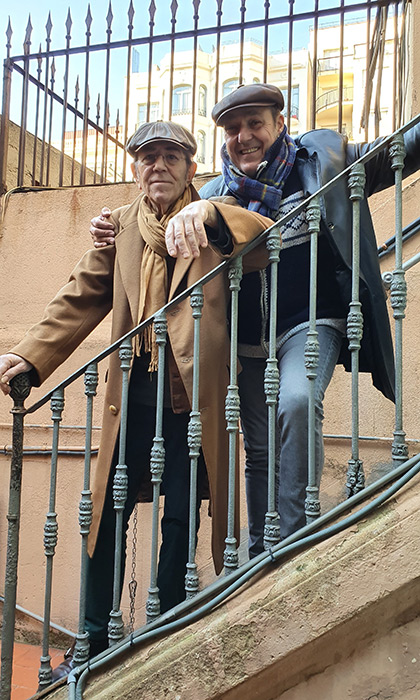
x,y
108,278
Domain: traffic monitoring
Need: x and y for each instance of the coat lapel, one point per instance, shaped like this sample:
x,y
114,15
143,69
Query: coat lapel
x,y
129,246
181,267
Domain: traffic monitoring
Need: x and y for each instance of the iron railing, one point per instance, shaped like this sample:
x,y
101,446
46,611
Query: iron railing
x,y
72,102
355,473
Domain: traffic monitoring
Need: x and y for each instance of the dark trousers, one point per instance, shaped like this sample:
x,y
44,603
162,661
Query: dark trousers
x,y
174,524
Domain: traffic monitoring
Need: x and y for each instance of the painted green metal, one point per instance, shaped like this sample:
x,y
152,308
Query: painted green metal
x,y
50,538
232,410
312,505
120,487
271,389
398,300
355,473
81,651
21,388
194,443
157,464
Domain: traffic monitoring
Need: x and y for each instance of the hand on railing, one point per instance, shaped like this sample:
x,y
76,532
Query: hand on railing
x,y
10,366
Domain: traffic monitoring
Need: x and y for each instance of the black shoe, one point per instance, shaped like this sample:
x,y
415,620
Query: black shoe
x,y
64,668
68,664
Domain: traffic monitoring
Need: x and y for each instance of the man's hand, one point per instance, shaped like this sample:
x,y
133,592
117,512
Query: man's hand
x,y
102,230
10,366
185,233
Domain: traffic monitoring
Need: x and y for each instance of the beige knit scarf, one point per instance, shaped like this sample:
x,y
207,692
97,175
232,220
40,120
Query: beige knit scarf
x,y
153,269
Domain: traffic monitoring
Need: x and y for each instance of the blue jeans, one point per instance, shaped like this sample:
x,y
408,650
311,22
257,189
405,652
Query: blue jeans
x,y
292,430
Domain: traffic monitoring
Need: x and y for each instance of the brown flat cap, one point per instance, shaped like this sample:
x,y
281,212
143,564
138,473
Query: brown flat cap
x,y
255,95
161,131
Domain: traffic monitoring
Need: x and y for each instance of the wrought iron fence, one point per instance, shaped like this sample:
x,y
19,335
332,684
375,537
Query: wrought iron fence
x,y
355,475
75,106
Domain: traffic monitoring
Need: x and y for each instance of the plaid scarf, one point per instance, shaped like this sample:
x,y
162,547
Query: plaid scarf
x,y
264,192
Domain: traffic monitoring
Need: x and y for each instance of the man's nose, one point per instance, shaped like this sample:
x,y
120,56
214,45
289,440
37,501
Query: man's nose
x,y
244,134
160,163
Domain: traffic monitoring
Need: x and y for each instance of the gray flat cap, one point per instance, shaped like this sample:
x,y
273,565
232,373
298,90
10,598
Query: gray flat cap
x,y
255,95
161,131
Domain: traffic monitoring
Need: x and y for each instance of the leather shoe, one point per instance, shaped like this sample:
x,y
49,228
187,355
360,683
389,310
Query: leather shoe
x,y
64,668
68,664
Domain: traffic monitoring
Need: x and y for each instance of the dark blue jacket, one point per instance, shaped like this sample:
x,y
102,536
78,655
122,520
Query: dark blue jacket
x,y
322,154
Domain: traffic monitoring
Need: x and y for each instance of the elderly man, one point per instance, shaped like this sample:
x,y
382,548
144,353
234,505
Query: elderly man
x,y
269,172
135,278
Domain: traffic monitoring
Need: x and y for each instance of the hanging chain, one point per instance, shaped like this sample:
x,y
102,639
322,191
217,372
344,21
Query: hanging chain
x,y
132,586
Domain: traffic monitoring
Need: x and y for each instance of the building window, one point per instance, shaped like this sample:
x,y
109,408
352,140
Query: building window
x,y
181,103
294,111
142,113
202,101
230,85
201,147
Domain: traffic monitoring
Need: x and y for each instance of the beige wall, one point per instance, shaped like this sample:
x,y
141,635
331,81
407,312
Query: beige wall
x,y
54,163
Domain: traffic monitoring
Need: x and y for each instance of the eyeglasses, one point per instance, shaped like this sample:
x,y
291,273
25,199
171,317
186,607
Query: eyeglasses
x,y
168,158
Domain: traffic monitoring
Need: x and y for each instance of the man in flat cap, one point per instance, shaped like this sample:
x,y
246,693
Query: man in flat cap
x,y
269,172
135,278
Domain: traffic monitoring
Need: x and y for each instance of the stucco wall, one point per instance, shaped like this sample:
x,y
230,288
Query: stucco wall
x,y
47,160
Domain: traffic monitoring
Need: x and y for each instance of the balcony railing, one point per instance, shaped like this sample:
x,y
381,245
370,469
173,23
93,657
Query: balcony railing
x,y
332,97
56,95
404,468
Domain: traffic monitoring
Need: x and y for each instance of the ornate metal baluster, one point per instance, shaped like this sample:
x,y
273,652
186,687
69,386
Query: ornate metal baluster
x,y
219,13
312,505
290,66
50,539
65,98
120,487
315,66
48,27
174,7
398,300
157,463
21,388
266,42
47,176
24,109
104,168
117,131
81,651
194,443
76,102
98,117
38,92
128,82
242,41
152,12
355,473
232,409
5,111
88,22
271,389
196,5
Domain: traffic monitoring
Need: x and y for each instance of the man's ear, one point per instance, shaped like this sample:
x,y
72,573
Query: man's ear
x,y
280,122
191,172
135,174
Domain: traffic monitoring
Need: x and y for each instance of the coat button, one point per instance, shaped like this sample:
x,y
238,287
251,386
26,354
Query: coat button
x,y
113,409
331,226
